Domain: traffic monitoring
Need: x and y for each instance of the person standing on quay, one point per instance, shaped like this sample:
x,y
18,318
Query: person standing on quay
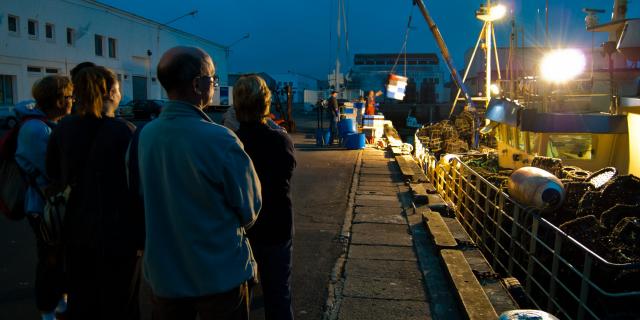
x,y
102,232
200,192
273,154
54,97
334,115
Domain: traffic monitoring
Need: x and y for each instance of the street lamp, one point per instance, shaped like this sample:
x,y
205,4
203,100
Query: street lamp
x,y
160,25
227,50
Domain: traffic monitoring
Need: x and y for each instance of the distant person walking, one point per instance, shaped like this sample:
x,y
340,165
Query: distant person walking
x,y
273,155
102,231
200,192
334,115
54,97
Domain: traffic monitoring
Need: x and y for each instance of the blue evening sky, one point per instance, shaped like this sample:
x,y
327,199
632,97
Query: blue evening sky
x,y
300,35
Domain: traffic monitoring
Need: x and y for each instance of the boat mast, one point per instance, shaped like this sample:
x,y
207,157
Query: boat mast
x,y
488,31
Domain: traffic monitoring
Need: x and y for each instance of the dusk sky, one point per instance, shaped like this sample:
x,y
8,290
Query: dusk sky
x,y
300,35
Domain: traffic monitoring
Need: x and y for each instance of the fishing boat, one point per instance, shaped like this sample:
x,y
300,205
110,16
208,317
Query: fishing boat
x,y
573,250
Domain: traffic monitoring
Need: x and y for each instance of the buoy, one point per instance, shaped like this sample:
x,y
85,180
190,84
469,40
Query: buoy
x,y
537,188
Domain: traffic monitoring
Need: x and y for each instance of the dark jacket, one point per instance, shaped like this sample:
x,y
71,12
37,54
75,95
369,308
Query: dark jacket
x,y
88,154
273,155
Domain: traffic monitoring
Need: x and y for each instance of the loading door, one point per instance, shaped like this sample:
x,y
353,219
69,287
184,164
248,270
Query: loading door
x,y
139,88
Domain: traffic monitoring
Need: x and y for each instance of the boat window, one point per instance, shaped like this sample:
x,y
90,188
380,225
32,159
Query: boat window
x,y
522,140
512,137
570,146
534,143
497,132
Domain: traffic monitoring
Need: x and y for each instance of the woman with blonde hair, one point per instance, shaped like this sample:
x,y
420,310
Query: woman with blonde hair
x,y
273,155
53,95
102,231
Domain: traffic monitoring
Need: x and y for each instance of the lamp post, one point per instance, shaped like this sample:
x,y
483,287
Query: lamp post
x,y
227,50
160,26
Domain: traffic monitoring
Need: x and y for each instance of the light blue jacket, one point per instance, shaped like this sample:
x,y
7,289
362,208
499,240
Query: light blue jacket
x,y
30,155
199,188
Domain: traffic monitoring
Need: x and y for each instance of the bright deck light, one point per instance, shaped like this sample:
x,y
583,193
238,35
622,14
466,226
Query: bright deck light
x,y
562,65
494,13
497,12
495,89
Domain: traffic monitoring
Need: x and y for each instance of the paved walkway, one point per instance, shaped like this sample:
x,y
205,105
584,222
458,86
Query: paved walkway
x,y
379,276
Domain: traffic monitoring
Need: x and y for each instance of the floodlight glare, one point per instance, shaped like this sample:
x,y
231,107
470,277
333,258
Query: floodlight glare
x,y
562,65
497,12
493,13
495,89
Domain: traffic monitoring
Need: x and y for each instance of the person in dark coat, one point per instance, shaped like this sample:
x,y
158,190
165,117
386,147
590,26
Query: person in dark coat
x,y
102,232
333,113
273,156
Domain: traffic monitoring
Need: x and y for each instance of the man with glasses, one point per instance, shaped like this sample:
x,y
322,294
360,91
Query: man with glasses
x,y
200,192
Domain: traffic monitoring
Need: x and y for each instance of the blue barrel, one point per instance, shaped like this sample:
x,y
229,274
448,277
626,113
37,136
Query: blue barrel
x,y
346,126
355,141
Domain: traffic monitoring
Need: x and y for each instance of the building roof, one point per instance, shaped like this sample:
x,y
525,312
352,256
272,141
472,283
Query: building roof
x,y
390,58
133,16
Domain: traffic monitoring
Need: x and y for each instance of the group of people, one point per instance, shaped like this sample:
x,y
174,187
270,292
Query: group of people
x,y
334,109
208,209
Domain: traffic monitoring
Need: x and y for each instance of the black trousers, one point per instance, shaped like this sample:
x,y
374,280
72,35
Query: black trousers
x,y
49,284
230,305
102,286
274,268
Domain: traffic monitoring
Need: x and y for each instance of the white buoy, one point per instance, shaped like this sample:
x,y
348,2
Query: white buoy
x,y
537,188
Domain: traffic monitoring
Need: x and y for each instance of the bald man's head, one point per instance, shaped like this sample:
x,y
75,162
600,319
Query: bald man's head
x,y
180,65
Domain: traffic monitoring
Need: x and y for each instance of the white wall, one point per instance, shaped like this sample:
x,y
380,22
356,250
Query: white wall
x,y
135,37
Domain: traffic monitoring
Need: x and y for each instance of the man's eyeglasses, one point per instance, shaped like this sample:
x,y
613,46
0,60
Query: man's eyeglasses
x,y
69,98
212,80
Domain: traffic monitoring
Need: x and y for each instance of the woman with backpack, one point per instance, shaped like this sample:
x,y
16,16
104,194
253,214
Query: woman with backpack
x,y
54,97
102,231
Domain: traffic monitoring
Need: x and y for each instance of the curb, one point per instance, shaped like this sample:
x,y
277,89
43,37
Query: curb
x,y
335,286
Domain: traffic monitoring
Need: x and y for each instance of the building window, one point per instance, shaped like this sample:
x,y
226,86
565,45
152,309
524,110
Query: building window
x,y
31,69
49,31
70,37
112,48
51,70
98,45
32,29
12,24
6,89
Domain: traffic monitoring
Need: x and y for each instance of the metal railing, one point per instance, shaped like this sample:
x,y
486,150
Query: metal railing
x,y
558,274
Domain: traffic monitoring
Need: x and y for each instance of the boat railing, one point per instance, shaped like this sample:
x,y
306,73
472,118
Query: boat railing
x,y
558,274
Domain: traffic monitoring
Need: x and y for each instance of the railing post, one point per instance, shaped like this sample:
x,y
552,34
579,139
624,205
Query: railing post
x,y
584,285
532,251
476,199
514,234
498,236
555,264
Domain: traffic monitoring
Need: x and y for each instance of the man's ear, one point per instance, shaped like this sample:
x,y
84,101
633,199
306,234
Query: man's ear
x,y
196,87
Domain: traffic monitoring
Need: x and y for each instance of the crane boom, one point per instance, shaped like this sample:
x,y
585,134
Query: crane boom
x,y
445,52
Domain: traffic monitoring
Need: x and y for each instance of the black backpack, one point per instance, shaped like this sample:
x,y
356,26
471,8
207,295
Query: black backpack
x,y
13,181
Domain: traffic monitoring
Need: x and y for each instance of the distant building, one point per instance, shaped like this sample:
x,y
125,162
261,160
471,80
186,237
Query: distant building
x,y
39,38
426,78
298,82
